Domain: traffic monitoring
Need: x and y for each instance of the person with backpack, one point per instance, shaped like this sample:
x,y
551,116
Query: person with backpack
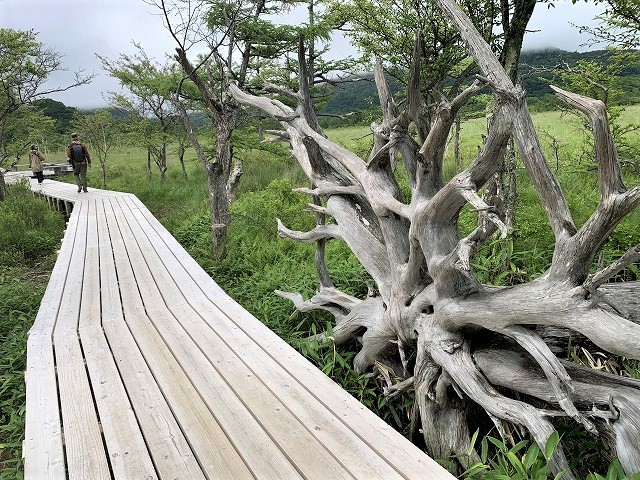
x,y
79,157
36,163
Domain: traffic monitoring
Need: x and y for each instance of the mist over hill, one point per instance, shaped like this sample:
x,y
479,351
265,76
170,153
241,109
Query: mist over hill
x,y
355,102
536,71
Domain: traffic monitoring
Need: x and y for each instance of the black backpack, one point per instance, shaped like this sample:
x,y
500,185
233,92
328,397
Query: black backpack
x,y
77,153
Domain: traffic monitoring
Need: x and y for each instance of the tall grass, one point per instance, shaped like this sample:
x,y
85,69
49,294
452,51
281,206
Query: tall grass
x,y
30,233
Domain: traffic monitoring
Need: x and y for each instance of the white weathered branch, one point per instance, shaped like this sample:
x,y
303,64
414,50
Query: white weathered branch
x,y
329,190
540,304
387,105
554,370
610,175
476,45
279,135
318,233
463,97
630,199
415,102
275,108
399,388
312,207
484,210
273,88
594,281
330,299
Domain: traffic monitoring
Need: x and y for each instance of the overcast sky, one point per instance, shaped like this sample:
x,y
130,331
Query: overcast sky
x,y
79,29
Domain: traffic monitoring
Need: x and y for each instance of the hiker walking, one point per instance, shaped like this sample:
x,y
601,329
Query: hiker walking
x,y
36,160
79,157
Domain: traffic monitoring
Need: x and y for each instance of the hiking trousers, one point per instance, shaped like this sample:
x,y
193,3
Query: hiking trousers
x,y
80,172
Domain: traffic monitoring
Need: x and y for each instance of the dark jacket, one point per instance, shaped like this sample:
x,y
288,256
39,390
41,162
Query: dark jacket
x,y
87,157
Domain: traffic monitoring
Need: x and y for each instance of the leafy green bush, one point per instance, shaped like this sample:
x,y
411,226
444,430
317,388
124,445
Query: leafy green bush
x,y
523,461
29,229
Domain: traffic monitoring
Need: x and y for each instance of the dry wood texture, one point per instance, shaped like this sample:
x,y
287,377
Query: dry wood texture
x,y
141,367
428,298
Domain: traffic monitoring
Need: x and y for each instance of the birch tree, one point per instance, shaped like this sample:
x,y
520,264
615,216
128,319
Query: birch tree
x,y
473,344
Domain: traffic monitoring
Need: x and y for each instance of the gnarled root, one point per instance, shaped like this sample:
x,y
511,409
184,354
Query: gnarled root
x,y
458,363
613,402
362,319
443,416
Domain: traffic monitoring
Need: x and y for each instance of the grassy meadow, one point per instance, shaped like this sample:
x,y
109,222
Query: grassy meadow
x,y
259,262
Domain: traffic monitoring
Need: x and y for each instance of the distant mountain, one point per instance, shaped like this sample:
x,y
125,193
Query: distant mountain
x,y
536,66
535,69
59,112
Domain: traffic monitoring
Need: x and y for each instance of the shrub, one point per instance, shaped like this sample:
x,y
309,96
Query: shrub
x,y
29,230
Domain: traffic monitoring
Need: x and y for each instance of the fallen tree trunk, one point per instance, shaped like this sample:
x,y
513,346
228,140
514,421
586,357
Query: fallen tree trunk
x,y
474,344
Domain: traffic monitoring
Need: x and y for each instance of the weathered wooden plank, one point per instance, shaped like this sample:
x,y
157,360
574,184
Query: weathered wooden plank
x,y
215,453
90,292
43,449
48,311
43,446
132,202
137,202
127,452
84,447
405,457
121,203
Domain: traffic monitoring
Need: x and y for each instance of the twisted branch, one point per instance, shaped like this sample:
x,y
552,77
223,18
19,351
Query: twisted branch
x,y
318,233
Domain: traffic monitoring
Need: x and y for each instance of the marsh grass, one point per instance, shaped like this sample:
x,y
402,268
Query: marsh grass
x,y
259,262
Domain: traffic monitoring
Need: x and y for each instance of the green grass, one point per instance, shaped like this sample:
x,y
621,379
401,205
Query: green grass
x,y
259,262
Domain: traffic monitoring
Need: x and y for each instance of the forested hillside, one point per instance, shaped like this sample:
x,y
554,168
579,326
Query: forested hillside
x,y
537,68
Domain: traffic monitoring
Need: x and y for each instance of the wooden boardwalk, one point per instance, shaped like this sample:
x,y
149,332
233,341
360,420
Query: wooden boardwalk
x,y
140,367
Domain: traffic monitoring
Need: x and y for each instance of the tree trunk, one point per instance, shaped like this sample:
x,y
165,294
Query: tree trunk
x,y
219,208
223,176
218,173
103,169
456,144
163,162
511,186
149,164
181,151
3,187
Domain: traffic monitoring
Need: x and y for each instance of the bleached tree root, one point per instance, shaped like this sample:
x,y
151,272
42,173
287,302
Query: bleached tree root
x,y
612,402
477,347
